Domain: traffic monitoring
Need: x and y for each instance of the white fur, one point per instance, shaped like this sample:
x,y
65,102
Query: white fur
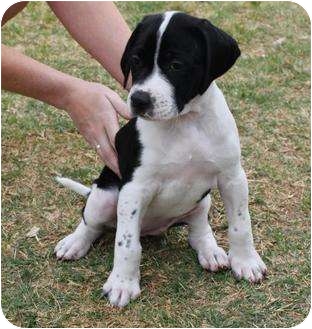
x,y
201,238
75,186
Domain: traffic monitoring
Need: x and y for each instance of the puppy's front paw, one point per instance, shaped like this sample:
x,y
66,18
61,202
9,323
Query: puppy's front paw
x,y
121,289
72,247
249,267
213,259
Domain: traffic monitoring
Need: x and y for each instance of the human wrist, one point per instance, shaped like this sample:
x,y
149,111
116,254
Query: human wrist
x,y
69,90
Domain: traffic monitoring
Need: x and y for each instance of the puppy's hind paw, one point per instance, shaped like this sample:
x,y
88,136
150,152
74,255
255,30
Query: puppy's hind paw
x,y
72,247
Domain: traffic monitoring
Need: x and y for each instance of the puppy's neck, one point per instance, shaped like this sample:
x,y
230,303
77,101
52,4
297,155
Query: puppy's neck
x,y
204,103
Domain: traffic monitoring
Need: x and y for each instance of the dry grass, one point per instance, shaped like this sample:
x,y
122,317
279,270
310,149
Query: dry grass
x,y
269,93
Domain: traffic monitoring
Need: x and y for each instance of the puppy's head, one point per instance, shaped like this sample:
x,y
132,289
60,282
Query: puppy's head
x,y
172,58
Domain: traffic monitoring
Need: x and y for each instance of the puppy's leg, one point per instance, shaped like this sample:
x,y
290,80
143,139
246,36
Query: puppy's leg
x,y
211,257
244,259
100,210
123,282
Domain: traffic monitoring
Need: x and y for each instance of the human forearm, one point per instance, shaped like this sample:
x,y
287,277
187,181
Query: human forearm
x,y
99,28
26,76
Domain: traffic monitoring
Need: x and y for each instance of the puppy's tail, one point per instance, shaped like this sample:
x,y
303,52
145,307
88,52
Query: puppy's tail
x,y
75,186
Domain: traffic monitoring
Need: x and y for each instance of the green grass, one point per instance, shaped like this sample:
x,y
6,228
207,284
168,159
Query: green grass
x,y
269,93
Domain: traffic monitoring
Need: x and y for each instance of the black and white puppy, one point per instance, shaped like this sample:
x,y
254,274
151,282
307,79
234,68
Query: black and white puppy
x,y
183,142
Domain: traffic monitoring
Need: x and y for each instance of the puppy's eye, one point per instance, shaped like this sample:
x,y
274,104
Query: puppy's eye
x,y
136,61
175,66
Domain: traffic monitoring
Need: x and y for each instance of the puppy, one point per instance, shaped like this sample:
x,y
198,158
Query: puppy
x,y
182,143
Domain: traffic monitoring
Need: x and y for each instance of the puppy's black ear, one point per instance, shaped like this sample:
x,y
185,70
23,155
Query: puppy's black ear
x,y
126,57
221,52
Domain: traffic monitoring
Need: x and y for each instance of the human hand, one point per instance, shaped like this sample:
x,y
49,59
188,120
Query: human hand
x,y
93,108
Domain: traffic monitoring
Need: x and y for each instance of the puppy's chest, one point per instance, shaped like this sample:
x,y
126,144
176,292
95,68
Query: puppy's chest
x,y
181,170
178,150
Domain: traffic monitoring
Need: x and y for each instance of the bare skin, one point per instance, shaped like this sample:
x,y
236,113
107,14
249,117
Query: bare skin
x,y
92,107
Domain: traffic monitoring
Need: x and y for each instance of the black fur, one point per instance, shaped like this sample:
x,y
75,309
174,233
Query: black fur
x,y
221,52
201,56
129,149
107,179
138,56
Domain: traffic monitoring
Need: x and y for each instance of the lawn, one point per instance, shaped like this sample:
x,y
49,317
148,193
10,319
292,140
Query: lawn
x,y
268,91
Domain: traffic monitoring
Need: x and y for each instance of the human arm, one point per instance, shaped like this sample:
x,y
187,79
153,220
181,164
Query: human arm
x,y
91,106
99,28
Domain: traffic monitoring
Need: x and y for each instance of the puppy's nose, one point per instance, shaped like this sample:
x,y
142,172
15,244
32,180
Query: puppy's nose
x,y
141,101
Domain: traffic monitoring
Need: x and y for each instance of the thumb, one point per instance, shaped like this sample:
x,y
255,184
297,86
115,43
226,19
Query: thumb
x,y
119,105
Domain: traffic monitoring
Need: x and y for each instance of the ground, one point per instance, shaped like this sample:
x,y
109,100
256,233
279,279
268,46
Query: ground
x,y
268,91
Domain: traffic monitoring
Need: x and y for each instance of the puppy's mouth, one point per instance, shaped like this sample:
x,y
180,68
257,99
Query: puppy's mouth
x,y
146,114
149,117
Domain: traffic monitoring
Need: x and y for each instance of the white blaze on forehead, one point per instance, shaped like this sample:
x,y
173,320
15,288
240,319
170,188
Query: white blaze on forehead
x,y
167,17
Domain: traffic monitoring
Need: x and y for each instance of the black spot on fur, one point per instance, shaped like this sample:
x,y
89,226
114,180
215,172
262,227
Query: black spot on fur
x,y
82,215
204,195
119,243
134,212
105,294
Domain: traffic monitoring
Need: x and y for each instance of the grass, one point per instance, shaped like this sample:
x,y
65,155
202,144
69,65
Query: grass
x,y
269,93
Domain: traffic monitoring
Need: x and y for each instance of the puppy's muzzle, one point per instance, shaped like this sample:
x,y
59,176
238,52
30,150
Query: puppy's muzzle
x,y
141,103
